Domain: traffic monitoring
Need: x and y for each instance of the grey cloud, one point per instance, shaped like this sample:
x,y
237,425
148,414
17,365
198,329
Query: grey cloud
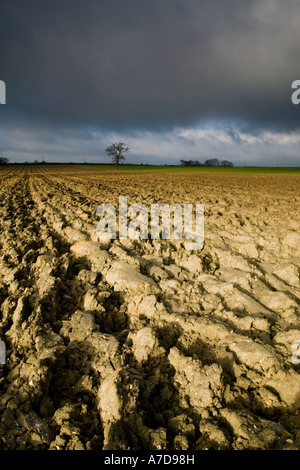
x,y
150,64
64,144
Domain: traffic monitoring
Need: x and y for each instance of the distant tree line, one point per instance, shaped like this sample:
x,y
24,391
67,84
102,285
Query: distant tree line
x,y
3,161
210,162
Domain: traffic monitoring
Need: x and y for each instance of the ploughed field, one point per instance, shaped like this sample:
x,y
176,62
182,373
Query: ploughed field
x,y
141,344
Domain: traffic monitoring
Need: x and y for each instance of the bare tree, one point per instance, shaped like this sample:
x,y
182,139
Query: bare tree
x,y
116,152
226,163
212,162
3,160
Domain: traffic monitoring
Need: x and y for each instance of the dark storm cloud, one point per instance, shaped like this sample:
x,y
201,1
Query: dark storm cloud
x,y
122,63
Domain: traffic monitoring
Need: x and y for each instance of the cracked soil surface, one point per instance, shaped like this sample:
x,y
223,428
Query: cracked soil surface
x,y
140,344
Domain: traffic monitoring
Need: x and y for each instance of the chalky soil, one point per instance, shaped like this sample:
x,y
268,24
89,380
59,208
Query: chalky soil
x,y
142,344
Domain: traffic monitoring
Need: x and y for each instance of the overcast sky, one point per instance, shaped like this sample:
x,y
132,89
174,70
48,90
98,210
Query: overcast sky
x,y
174,79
